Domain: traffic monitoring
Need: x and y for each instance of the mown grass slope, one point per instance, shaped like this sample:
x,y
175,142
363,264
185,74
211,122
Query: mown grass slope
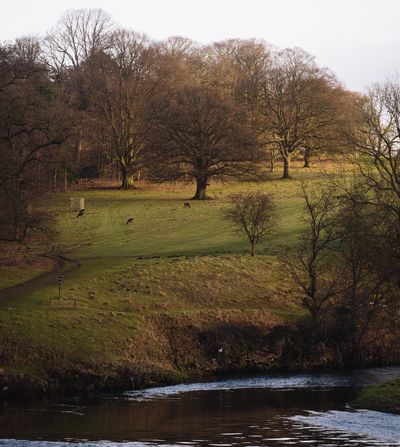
x,y
162,226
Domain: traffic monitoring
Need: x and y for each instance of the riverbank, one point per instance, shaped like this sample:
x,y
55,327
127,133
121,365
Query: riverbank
x,y
53,348
164,350
381,397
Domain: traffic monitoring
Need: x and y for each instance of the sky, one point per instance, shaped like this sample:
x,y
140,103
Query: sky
x,y
359,40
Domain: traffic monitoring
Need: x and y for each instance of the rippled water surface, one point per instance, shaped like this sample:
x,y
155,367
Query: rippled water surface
x,y
273,410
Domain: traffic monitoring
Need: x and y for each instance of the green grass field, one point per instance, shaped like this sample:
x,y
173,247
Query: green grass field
x,y
174,264
163,227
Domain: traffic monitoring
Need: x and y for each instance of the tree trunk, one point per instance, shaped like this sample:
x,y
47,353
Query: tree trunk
x,y
201,186
78,150
126,179
273,155
65,178
253,248
307,156
286,166
55,178
15,230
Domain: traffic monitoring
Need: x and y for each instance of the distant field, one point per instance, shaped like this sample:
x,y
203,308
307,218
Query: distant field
x,y
163,227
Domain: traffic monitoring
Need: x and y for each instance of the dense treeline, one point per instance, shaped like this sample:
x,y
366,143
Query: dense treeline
x,y
90,97
35,123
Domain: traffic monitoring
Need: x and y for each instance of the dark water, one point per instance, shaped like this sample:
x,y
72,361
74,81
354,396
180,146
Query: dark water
x,y
274,410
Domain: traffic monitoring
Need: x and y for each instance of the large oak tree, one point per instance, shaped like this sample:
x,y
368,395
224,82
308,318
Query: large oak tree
x,y
200,134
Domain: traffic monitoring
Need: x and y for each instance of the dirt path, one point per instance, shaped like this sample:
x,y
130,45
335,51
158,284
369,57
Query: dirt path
x,y
61,264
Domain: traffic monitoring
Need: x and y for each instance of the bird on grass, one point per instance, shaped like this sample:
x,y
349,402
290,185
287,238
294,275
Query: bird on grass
x,y
81,212
129,221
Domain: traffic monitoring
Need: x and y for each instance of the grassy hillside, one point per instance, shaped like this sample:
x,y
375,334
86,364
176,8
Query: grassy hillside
x,y
160,296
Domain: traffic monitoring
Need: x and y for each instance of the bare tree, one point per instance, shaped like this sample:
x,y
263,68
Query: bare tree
x,y
240,68
309,265
377,140
180,64
252,214
367,288
200,134
121,83
296,106
332,139
79,35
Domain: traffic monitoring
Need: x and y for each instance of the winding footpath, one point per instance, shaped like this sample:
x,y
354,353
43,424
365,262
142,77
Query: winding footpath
x,y
61,264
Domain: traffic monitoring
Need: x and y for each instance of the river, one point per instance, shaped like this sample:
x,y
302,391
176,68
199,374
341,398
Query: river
x,y
268,410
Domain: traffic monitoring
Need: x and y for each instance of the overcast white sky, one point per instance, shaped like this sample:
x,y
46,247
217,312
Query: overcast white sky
x,y
358,39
